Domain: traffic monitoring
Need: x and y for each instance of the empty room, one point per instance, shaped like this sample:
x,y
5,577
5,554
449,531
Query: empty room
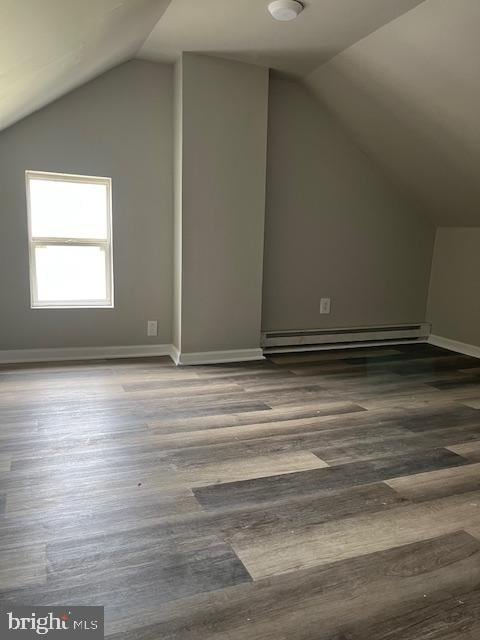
x,y
239,319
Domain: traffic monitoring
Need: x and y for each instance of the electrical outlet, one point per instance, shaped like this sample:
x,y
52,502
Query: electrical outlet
x,y
152,328
324,305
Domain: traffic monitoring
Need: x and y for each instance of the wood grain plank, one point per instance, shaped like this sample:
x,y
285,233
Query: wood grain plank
x,y
155,577
314,409
438,484
452,618
352,537
469,450
249,468
322,603
473,403
318,481
21,567
127,482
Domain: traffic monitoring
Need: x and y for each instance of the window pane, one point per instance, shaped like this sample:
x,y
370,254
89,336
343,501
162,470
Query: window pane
x,y
70,274
60,209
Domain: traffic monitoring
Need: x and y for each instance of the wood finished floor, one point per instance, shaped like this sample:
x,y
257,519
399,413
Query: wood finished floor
x,y
320,496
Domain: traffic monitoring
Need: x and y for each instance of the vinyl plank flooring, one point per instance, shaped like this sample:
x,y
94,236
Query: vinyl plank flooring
x,y
473,403
159,478
175,518
46,501
459,382
327,356
267,445
445,419
438,484
319,481
5,463
303,512
254,431
453,618
469,450
154,577
315,496
425,398
378,446
443,365
22,567
94,518
314,409
351,537
207,410
251,467
321,603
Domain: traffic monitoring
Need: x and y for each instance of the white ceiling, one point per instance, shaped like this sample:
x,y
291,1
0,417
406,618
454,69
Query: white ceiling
x,y
410,95
49,47
243,30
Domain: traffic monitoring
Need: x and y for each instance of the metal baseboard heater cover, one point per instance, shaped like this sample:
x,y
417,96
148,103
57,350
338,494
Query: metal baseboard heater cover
x,y
337,338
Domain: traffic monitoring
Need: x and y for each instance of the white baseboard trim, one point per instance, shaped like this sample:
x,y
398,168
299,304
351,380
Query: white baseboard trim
x,y
218,357
455,345
174,354
17,356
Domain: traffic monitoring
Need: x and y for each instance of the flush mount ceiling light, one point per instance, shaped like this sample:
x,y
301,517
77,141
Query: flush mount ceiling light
x,y
285,9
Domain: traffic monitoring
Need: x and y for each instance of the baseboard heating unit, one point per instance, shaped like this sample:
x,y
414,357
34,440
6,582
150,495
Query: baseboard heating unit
x,y
312,339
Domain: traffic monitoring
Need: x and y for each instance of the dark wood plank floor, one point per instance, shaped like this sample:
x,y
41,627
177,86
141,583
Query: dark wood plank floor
x,y
317,496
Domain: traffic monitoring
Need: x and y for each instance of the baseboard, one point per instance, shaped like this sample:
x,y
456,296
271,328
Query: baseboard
x,y
174,354
19,356
218,357
15,356
455,345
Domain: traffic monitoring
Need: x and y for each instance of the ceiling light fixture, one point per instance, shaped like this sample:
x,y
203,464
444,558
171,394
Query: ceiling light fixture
x,y
285,9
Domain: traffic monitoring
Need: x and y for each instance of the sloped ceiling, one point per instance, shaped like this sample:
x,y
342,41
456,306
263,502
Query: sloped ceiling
x,y
410,94
48,47
243,30
402,75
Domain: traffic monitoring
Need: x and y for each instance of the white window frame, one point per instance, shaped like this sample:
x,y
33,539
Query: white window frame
x,y
106,245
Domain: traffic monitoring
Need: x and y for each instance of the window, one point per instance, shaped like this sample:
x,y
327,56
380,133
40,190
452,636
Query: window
x,y
70,240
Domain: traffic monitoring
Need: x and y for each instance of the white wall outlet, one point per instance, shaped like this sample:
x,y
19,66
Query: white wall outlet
x,y
152,328
325,305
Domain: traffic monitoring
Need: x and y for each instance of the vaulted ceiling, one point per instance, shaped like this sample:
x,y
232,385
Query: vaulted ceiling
x,y
402,75
410,95
49,47
243,30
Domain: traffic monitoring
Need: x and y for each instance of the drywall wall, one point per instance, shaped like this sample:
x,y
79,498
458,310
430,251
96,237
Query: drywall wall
x,y
453,302
409,93
335,227
119,125
224,142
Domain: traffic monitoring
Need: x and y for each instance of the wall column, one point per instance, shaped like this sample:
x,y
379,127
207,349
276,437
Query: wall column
x,y
220,167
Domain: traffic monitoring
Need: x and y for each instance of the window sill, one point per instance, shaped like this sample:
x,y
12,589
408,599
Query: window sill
x,y
72,306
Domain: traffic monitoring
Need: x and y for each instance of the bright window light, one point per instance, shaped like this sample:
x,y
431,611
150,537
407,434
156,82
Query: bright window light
x,y
70,240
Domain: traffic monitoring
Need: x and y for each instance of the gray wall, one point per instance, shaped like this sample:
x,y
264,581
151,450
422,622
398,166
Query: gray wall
x,y
223,203
334,227
454,303
119,125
